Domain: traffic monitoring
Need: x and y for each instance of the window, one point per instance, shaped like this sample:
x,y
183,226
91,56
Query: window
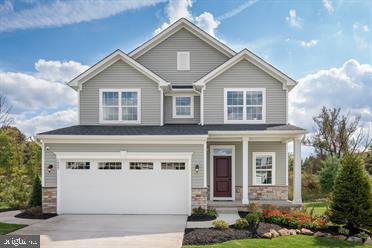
x,y
183,106
78,165
264,168
183,61
173,166
245,105
109,165
141,165
222,151
120,105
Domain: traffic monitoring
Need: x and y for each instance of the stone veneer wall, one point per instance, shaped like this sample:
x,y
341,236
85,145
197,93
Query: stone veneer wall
x,y
49,200
199,197
268,192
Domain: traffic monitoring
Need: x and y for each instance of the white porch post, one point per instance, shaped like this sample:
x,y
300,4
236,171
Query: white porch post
x,y
297,198
245,171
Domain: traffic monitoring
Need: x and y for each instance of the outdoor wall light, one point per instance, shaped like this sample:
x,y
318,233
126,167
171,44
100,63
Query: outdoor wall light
x,y
197,168
50,167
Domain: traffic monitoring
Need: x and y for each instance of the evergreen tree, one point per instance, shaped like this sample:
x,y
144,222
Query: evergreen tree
x,y
35,200
328,174
351,201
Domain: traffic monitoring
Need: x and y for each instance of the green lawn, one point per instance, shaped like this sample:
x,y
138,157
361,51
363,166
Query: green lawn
x,y
319,207
297,241
7,228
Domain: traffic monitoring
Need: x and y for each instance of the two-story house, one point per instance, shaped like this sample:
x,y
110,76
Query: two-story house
x,y
181,121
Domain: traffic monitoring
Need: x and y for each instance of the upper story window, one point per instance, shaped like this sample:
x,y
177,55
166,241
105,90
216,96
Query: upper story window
x,y
183,106
245,105
120,105
183,61
263,168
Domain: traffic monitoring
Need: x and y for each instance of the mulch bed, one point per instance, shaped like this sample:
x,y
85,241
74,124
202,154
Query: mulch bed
x,y
204,236
24,215
200,218
242,214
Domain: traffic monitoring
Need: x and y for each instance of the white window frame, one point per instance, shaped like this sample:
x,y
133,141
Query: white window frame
x,y
191,106
138,121
179,56
273,171
245,90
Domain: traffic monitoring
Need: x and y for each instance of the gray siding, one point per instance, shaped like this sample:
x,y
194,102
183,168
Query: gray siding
x,y
277,147
197,157
244,75
120,75
162,59
168,112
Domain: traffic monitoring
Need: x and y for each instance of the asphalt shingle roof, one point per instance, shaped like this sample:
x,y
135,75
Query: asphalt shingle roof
x,y
168,129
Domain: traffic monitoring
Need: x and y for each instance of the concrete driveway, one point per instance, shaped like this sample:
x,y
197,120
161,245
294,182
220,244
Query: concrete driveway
x,y
91,231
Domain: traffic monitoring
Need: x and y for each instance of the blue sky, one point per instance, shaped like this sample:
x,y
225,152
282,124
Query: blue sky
x,y
321,43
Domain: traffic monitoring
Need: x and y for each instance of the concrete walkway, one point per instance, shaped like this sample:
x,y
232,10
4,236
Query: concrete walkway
x,y
230,215
8,217
93,231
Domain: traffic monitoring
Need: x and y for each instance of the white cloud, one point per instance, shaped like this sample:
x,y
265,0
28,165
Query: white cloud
x,y
58,13
207,22
309,43
348,87
294,20
361,27
46,122
328,5
237,10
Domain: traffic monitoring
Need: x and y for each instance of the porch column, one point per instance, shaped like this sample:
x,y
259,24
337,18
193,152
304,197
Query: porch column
x,y
297,198
245,171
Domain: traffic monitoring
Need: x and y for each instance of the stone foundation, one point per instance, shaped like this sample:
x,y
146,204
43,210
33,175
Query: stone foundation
x,y
199,197
268,192
49,200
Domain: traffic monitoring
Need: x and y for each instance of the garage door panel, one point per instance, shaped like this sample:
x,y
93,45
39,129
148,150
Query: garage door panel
x,y
124,191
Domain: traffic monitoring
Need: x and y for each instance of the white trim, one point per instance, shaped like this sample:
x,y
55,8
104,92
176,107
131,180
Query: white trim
x,y
211,169
286,164
175,27
297,194
205,147
254,59
119,91
161,107
245,169
202,107
42,164
108,61
190,186
186,55
175,116
286,106
273,173
123,155
245,90
58,186
78,92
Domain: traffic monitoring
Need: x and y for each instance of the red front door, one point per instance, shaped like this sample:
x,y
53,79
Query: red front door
x,y
222,176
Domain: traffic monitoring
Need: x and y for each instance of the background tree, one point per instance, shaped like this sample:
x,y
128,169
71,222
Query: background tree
x,y
5,118
351,200
328,173
337,134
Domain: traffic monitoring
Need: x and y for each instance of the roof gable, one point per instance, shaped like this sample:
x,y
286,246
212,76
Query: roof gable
x,y
288,83
175,27
110,60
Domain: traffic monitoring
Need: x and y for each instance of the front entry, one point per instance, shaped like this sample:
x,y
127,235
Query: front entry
x,y
222,176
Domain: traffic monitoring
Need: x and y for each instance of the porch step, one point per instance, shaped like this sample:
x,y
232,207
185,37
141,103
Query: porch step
x,y
225,204
227,210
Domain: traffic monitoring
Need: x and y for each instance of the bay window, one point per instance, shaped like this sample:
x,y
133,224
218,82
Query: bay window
x,y
120,105
245,105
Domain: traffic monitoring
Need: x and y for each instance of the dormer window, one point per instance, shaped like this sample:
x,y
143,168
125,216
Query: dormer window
x,y
245,105
183,61
120,106
183,107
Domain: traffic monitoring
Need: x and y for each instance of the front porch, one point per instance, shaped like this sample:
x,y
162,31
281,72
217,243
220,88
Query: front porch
x,y
251,167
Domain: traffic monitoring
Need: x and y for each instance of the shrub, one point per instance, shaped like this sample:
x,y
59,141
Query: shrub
x,y
220,224
199,211
212,212
328,174
241,224
253,207
344,231
254,220
351,200
363,235
35,200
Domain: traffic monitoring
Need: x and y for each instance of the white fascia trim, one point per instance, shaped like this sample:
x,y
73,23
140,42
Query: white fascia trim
x,y
254,59
273,174
124,155
257,133
108,61
202,106
174,111
245,90
181,23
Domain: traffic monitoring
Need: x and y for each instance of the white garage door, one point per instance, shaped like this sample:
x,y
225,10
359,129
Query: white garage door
x,y
123,187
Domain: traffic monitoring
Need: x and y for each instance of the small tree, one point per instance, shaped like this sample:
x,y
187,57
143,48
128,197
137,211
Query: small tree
x,y
351,201
328,173
35,200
